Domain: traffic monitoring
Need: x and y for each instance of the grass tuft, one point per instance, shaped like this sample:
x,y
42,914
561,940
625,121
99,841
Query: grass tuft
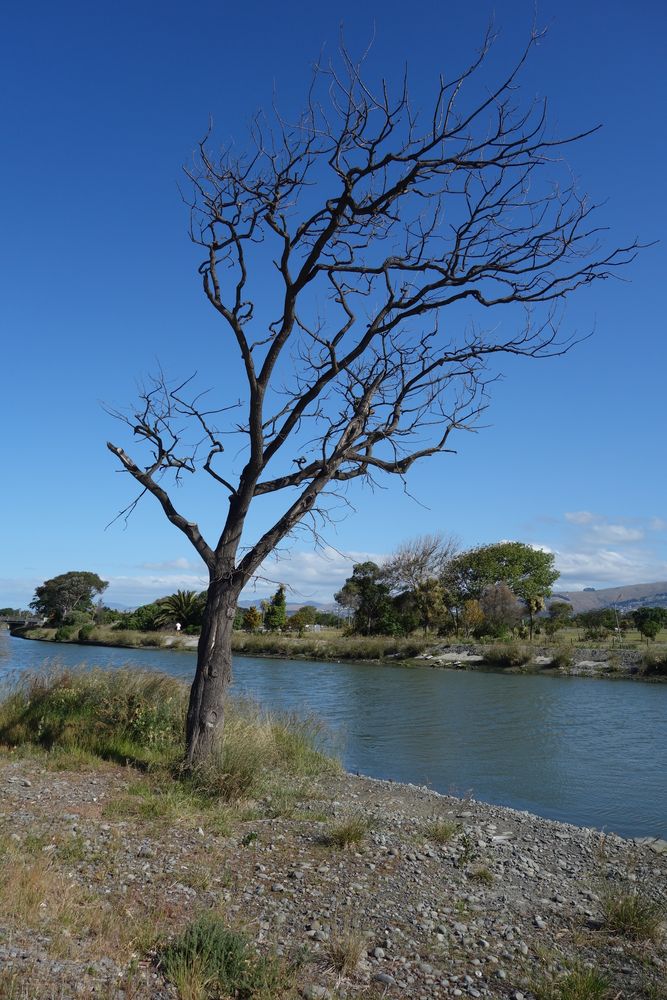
x,y
579,984
345,949
348,832
440,831
632,916
507,654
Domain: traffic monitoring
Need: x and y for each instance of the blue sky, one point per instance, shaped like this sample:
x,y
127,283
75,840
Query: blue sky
x,y
103,104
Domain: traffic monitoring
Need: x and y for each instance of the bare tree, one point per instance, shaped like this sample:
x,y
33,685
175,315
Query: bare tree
x,y
367,224
417,561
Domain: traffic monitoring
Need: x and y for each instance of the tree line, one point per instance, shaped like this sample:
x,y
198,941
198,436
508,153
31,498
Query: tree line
x,y
487,590
492,590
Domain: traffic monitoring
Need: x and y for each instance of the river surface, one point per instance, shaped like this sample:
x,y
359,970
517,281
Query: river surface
x,y
589,752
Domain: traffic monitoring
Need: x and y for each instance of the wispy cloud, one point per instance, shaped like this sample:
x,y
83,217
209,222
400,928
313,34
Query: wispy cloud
x,y
180,563
309,576
142,589
580,517
614,534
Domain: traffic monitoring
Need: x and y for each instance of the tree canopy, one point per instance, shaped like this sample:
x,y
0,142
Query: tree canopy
x,y
62,595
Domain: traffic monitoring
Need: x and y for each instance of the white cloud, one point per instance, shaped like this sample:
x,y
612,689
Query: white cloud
x,y
657,524
309,576
580,517
135,590
611,534
606,567
180,563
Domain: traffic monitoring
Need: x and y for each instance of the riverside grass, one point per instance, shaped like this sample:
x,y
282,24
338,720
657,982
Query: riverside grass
x,y
138,717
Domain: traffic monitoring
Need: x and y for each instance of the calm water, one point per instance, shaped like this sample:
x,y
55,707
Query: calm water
x,y
591,752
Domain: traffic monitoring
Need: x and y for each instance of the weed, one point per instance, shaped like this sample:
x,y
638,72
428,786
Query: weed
x,y
469,852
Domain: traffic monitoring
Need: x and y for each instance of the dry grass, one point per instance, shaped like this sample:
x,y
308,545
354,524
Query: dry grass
x,y
345,949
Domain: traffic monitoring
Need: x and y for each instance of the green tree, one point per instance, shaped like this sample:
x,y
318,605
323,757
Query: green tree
x,y
301,618
560,615
528,572
368,597
275,616
185,607
328,619
596,624
252,619
60,597
649,622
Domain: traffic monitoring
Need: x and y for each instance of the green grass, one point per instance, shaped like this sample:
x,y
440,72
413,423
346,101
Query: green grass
x,y
579,984
209,960
329,646
138,717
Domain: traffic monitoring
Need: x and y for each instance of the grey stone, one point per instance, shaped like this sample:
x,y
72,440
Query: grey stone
x,y
384,978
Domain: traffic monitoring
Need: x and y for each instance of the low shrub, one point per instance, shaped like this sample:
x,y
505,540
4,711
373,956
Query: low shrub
x,y
85,632
507,654
115,714
139,716
654,664
64,634
561,658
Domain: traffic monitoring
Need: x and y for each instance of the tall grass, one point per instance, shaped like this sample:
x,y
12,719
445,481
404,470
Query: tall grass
x,y
507,654
138,717
336,647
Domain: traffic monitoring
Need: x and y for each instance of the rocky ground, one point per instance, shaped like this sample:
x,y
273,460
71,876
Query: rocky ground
x,y
440,897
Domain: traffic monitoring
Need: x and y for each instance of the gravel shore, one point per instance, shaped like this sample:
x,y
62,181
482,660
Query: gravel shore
x,y
448,897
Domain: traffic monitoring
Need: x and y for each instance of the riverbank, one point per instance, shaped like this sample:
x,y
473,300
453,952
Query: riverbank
x,y
348,886
510,657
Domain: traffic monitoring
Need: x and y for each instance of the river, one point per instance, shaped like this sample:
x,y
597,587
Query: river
x,y
589,752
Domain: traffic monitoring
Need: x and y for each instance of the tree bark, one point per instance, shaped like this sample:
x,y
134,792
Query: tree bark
x,y
214,671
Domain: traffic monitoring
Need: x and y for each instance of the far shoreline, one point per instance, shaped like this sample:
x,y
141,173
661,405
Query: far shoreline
x,y
585,661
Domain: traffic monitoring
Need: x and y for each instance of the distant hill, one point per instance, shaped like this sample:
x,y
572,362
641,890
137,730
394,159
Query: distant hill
x,y
623,598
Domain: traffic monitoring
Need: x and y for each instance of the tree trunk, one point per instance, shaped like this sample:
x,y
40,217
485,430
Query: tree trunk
x,y
214,670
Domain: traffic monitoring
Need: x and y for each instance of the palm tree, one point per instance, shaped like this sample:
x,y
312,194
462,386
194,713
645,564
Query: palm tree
x,y
185,606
